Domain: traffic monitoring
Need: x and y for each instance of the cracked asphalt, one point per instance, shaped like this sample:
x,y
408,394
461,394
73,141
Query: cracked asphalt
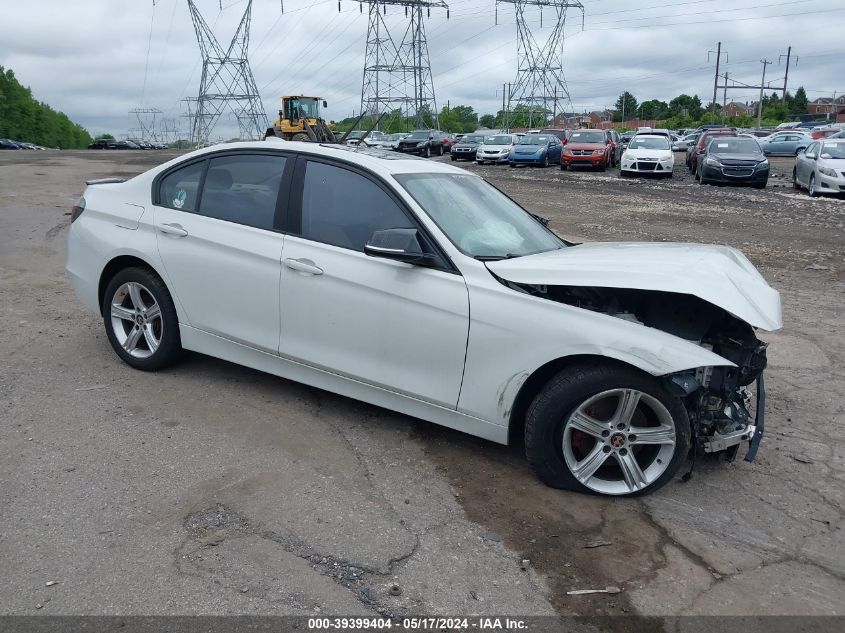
x,y
214,489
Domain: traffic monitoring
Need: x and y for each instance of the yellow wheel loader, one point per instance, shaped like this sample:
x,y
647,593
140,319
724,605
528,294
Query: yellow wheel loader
x,y
299,120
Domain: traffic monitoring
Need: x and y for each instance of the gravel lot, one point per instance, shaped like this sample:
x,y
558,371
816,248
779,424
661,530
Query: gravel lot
x,y
212,488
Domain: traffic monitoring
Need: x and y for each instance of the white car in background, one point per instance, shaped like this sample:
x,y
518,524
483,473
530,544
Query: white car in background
x,y
648,154
389,141
820,169
419,287
496,149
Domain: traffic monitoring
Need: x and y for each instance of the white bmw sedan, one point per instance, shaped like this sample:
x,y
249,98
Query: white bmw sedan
x,y
418,287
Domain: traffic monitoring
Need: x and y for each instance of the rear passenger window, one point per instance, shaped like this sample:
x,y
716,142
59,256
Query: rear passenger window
x,y
342,208
179,189
243,189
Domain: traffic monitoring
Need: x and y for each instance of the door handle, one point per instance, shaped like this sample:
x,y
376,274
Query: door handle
x,y
303,266
173,229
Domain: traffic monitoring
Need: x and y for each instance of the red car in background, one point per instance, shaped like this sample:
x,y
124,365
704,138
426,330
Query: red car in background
x,y
586,148
449,140
695,153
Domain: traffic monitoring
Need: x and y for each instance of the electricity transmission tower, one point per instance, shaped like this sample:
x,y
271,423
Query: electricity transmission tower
x,y
539,82
146,118
226,82
399,76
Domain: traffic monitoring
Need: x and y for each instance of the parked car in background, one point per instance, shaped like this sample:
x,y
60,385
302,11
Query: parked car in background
x,y
586,148
615,147
449,141
8,144
421,288
838,135
648,154
694,155
355,137
785,143
423,143
540,150
388,141
126,144
823,132
466,148
761,133
734,160
103,143
495,149
562,134
820,169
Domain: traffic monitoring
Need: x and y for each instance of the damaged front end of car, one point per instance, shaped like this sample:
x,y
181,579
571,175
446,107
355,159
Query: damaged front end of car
x,y
725,403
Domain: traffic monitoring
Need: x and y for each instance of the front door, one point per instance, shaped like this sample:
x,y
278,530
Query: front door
x,y
219,247
382,322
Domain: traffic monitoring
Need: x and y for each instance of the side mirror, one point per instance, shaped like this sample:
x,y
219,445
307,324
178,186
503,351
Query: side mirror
x,y
811,155
325,105
401,245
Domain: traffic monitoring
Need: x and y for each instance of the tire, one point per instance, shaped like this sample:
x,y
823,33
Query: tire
x,y
128,303
440,151
427,153
795,184
811,186
701,179
512,165
300,136
454,158
545,161
563,167
574,423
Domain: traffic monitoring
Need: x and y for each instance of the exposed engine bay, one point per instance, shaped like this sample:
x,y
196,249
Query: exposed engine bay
x,y
718,399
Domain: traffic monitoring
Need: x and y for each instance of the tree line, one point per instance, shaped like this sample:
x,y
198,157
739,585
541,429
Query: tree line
x,y
23,118
683,111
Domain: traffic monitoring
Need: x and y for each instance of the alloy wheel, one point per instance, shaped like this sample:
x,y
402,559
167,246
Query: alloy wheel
x,y
618,441
136,320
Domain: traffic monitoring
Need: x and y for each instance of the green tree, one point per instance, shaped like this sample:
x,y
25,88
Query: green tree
x,y
686,106
626,107
800,101
107,137
653,109
488,121
25,119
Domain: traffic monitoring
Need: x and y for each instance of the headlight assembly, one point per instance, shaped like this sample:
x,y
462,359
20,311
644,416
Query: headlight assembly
x,y
827,171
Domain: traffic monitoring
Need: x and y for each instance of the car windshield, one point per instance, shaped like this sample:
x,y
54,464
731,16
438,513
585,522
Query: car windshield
x,y
472,139
734,146
424,134
638,142
587,137
534,139
833,150
356,134
478,218
499,140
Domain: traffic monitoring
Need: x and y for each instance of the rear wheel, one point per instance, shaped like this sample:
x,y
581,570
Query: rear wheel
x,y
440,150
606,429
140,320
300,136
795,184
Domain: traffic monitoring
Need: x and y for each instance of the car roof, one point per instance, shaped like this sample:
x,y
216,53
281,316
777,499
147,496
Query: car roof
x,y
383,162
663,136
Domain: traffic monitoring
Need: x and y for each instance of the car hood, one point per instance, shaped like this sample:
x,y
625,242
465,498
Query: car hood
x,y
730,156
720,275
528,149
636,153
833,163
502,147
594,146
470,144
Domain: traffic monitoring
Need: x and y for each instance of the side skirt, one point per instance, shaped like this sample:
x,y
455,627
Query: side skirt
x,y
205,343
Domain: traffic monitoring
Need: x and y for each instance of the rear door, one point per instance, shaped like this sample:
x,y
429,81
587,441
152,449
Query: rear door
x,y
382,322
216,224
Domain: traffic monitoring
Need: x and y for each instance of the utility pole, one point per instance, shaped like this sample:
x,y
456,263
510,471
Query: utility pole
x,y
504,116
719,54
725,94
765,63
786,74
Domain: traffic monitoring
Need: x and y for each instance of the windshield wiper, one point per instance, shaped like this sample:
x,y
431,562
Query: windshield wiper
x,y
495,258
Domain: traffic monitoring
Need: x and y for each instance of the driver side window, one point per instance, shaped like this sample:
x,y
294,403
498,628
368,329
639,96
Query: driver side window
x,y
343,208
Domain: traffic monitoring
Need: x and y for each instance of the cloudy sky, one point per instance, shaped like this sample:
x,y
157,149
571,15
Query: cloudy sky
x,y
97,59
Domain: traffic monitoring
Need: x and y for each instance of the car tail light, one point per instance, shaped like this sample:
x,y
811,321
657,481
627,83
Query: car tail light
x,y
77,210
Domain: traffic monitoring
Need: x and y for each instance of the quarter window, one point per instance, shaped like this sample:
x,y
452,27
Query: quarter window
x,y
180,189
343,208
243,189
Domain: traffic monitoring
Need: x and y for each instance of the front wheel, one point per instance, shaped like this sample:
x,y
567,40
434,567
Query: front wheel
x,y
562,167
606,429
140,319
427,152
811,187
454,157
545,161
795,184
440,150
